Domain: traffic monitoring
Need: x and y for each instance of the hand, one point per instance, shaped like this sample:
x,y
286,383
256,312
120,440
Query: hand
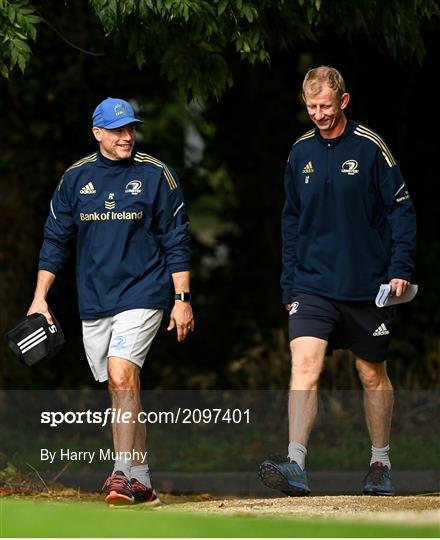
x,y
39,305
288,306
398,286
181,318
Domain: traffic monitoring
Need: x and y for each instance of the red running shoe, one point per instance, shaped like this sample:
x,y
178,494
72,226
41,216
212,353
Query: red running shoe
x,y
118,490
143,494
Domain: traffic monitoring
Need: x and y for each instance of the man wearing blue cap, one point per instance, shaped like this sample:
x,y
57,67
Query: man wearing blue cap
x,y
129,215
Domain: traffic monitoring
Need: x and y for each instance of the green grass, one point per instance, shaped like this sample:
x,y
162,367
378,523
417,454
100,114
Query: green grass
x,y
42,518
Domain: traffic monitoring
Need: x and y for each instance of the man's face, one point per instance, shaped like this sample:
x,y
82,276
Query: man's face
x,y
116,143
325,108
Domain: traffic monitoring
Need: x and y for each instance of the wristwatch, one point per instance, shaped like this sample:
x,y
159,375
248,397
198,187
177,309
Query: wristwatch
x,y
183,296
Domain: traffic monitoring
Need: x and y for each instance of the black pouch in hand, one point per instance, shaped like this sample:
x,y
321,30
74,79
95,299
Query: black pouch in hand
x,y
33,339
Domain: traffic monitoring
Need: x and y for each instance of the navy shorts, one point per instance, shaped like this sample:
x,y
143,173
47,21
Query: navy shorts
x,y
359,326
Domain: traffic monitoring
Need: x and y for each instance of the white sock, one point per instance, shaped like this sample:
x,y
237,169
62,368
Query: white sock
x,y
142,474
381,454
297,452
123,465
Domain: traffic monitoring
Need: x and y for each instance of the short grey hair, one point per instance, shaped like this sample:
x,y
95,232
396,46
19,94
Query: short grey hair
x,y
317,77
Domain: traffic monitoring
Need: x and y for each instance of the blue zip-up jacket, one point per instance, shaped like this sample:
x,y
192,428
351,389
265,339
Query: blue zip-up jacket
x,y
132,232
348,223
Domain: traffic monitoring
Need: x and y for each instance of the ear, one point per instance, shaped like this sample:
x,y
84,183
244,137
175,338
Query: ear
x,y
345,99
97,133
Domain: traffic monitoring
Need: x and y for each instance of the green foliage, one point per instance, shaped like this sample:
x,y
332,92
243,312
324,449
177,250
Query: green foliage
x,y
394,26
190,38
196,41
18,26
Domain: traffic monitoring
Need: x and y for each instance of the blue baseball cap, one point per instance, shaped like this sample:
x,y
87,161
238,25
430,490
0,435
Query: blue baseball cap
x,y
113,113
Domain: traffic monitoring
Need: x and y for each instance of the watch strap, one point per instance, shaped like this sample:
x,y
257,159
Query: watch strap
x,y
183,296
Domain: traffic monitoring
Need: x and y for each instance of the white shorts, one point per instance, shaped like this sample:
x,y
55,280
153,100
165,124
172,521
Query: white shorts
x,y
128,335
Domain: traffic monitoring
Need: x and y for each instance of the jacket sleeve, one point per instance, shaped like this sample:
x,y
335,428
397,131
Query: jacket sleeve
x,y
170,223
289,235
58,230
401,218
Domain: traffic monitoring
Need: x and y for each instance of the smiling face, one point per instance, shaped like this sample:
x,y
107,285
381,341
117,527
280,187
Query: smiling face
x,y
116,144
325,109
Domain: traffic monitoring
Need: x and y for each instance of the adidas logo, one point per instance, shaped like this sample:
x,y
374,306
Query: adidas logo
x,y
88,189
381,330
32,340
308,168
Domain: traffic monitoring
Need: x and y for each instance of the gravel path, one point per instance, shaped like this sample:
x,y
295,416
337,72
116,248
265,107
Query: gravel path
x,y
414,509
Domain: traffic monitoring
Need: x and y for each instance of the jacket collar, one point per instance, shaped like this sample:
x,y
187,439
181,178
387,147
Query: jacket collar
x,y
102,160
333,142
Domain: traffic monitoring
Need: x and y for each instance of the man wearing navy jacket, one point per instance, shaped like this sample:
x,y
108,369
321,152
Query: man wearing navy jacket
x,y
348,225
128,213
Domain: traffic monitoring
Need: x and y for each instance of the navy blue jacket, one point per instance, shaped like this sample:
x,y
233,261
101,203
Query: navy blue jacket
x,y
348,223
132,232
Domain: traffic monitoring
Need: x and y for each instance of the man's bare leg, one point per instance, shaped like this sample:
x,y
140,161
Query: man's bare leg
x,y
124,388
139,467
140,441
378,402
308,355
289,475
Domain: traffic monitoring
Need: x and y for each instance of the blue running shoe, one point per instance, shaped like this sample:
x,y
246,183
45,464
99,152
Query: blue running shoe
x,y
378,480
286,476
